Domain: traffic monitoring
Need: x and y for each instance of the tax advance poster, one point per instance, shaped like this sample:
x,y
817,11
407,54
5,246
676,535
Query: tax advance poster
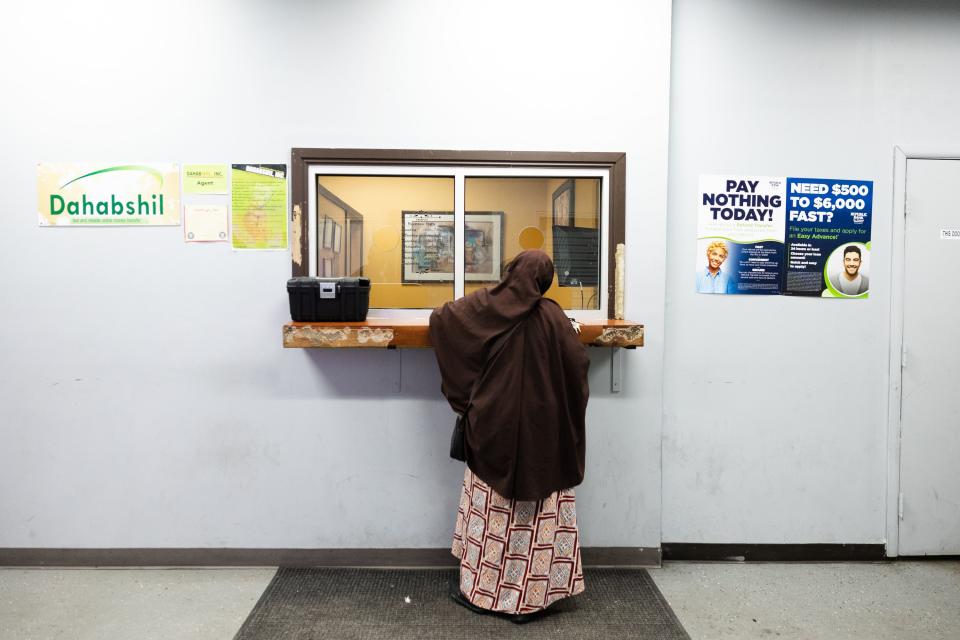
x,y
740,230
783,235
828,237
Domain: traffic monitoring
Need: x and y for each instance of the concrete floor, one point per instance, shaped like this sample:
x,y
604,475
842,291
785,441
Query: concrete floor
x,y
835,601
127,604
904,600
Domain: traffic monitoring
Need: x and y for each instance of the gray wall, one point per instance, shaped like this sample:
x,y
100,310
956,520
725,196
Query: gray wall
x,y
775,408
144,397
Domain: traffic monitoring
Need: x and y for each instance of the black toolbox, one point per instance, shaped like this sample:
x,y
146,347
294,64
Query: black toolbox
x,y
328,299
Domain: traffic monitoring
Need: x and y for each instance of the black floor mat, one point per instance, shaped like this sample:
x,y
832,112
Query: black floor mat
x,y
369,604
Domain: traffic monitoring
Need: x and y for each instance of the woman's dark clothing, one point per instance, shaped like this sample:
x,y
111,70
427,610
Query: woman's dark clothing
x,y
524,424
512,365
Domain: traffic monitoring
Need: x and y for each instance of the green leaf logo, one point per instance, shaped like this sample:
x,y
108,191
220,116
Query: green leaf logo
x,y
123,167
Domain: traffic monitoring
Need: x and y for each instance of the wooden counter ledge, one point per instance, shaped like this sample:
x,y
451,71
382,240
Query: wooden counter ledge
x,y
392,333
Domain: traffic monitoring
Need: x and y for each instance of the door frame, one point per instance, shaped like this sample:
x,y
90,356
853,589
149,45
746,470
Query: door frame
x,y
901,154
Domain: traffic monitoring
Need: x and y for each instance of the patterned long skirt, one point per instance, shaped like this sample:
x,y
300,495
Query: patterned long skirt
x,y
516,556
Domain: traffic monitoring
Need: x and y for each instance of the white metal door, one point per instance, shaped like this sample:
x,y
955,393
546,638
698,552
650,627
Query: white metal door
x,y
930,402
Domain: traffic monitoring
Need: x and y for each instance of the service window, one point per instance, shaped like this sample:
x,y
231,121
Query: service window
x,y
402,236
426,234
561,215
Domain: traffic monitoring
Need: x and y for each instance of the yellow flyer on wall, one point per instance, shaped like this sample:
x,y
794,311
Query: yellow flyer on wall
x,y
104,194
205,178
259,206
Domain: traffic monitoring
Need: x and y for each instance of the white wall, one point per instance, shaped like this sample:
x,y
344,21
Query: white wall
x,y
775,408
144,397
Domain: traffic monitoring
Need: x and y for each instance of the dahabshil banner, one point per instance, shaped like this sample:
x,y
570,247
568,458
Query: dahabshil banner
x,y
740,232
86,194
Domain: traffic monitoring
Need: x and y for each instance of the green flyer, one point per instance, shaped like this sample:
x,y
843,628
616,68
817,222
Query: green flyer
x,y
259,206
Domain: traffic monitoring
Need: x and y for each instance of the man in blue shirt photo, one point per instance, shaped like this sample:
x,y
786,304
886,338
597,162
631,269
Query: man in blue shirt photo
x,y
713,279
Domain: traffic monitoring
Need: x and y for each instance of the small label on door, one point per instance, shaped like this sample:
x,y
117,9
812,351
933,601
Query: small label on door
x,y
950,234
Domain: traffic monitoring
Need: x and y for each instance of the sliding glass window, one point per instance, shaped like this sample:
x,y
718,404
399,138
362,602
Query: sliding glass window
x,y
424,238
560,215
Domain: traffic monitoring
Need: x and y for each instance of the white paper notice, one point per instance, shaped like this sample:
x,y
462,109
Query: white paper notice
x,y
205,223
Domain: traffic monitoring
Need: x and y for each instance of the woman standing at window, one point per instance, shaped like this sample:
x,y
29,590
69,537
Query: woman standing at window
x,y
512,365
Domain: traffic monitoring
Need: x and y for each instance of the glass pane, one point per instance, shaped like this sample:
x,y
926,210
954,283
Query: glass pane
x,y
397,231
505,216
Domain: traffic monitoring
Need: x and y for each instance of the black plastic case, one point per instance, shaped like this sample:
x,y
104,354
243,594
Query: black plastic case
x,y
328,299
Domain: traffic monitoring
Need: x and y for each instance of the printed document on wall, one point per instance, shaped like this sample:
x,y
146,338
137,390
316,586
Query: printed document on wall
x,y
259,206
205,178
828,237
205,223
740,231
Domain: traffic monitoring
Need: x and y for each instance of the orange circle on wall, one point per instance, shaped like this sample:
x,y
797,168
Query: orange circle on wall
x,y
530,238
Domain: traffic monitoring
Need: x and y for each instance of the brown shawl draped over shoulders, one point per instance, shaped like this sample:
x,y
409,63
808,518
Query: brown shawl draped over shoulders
x,y
525,425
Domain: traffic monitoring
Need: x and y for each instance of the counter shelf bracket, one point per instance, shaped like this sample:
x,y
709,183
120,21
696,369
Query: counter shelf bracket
x,y
616,369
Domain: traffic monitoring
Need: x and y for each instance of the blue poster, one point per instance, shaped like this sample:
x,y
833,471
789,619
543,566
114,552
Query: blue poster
x,y
828,237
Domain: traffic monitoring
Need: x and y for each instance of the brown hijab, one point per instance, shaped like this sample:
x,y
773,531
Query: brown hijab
x,y
524,428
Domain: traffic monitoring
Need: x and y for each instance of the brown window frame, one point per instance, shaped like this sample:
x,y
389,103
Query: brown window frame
x,y
302,159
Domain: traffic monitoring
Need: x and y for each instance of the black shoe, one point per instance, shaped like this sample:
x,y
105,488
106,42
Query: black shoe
x,y
515,618
460,599
523,618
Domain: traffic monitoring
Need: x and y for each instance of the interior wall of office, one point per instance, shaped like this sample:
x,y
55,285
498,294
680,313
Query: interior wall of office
x,y
775,408
146,401
521,202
